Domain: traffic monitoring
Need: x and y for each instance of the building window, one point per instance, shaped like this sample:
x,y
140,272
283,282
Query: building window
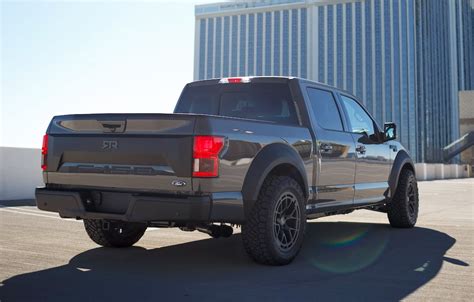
x,y
349,49
368,56
202,48
330,46
243,44
321,45
404,76
268,43
259,44
234,49
218,54
411,82
225,68
285,42
294,42
251,45
340,47
388,61
304,50
396,64
210,45
276,45
358,50
378,62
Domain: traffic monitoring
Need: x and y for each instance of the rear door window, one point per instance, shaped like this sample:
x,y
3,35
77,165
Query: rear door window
x,y
324,109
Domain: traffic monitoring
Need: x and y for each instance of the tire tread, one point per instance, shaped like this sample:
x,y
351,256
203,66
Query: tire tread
x,y
254,232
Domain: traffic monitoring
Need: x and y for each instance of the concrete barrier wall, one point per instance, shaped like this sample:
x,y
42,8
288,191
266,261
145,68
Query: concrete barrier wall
x,y
441,171
20,172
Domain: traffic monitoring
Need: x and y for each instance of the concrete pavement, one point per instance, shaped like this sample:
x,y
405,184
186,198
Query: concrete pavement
x,y
350,257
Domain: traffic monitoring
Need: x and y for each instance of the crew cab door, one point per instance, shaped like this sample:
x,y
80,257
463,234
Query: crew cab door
x,y
373,155
334,151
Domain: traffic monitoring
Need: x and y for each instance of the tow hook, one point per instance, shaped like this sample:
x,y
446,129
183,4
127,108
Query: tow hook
x,y
105,225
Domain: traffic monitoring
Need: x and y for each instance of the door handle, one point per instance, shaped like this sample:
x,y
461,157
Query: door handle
x,y
325,147
360,149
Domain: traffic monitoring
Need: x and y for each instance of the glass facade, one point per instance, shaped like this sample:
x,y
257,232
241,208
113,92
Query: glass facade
x,y
397,56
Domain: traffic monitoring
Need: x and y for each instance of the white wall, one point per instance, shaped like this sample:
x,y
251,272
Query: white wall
x,y
441,171
20,172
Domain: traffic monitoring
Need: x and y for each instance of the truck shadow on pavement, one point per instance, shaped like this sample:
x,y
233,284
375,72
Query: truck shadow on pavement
x,y
343,261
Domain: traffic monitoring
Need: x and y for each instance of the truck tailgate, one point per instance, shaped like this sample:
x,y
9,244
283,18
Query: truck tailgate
x,y
129,151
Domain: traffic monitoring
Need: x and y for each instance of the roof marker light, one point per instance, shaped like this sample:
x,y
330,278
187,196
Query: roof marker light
x,y
234,80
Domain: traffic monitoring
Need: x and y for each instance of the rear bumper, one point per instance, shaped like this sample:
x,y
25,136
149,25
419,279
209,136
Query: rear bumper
x,y
216,207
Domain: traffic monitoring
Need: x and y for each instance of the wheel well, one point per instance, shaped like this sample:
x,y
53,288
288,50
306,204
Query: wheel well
x,y
408,166
291,171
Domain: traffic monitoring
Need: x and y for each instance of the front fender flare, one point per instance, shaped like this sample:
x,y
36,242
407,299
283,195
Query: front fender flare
x,y
401,160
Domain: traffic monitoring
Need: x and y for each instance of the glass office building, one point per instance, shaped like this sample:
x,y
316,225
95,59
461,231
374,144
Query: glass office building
x,y
405,60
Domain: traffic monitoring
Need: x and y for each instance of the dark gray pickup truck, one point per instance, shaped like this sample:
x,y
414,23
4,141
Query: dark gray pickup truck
x,y
266,153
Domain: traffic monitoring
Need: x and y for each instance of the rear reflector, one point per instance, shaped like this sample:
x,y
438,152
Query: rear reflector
x,y
234,80
206,151
44,153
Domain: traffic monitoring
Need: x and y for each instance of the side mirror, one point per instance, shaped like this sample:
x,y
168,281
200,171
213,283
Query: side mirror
x,y
390,131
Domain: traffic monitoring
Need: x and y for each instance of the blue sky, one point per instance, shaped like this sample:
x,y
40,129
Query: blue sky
x,y
64,57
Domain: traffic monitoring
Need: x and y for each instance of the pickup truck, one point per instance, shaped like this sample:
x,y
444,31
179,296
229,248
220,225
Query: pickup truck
x,y
263,153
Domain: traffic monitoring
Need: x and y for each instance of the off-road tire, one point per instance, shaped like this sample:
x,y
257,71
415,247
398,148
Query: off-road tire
x,y
259,233
112,233
402,210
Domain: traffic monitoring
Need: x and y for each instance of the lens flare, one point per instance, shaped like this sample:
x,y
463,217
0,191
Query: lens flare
x,y
346,247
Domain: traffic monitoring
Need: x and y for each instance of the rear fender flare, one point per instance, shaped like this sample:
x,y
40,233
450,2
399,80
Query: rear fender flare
x,y
266,160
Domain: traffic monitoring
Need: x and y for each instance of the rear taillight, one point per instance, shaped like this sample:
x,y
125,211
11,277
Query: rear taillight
x,y
206,151
44,153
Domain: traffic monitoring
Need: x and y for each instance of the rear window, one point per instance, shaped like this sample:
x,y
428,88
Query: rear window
x,y
260,101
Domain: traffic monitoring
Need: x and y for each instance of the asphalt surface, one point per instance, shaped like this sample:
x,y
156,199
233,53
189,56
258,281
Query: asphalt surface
x,y
350,257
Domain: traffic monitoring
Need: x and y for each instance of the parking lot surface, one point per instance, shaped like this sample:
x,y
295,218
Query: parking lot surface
x,y
348,257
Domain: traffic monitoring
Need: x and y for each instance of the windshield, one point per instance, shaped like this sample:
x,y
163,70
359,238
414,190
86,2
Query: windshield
x,y
261,101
